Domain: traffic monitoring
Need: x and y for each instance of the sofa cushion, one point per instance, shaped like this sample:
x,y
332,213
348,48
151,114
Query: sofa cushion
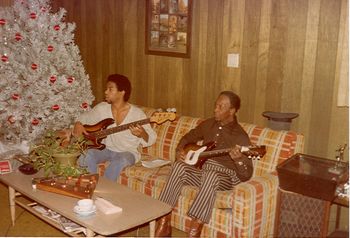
x,y
154,177
280,145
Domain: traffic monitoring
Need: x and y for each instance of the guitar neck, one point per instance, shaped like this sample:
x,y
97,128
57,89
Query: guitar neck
x,y
213,153
109,131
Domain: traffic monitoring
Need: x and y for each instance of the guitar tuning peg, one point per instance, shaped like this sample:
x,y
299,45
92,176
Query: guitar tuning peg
x,y
168,109
159,110
173,109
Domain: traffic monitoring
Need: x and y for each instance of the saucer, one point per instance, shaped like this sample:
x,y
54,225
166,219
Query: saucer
x,y
84,213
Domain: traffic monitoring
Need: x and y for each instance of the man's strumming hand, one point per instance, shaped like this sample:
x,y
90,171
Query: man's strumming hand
x,y
139,131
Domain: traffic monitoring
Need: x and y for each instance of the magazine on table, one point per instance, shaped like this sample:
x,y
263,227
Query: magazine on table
x,y
66,224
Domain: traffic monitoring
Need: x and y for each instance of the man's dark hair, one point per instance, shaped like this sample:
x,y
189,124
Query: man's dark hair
x,y
234,99
123,84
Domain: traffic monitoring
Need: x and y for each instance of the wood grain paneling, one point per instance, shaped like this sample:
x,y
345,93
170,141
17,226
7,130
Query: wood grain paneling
x,y
289,53
324,76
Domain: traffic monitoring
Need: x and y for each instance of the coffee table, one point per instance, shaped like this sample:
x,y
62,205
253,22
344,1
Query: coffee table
x,y
137,208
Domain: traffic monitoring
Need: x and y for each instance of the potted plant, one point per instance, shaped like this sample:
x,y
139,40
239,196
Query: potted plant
x,y
58,154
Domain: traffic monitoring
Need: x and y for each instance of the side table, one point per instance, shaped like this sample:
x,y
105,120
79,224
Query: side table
x,y
305,196
298,215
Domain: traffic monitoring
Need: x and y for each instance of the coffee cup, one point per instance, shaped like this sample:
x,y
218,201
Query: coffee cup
x,y
85,205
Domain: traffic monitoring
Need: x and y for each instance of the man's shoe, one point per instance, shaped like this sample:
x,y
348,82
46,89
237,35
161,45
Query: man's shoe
x,y
163,226
195,228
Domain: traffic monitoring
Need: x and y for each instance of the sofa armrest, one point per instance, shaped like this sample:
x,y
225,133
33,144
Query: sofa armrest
x,y
254,203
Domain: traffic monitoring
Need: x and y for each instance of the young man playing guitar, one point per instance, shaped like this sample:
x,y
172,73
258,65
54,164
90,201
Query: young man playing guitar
x,y
121,148
217,174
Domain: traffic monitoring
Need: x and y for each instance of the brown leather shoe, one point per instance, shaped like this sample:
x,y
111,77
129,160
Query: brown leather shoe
x,y
195,228
163,226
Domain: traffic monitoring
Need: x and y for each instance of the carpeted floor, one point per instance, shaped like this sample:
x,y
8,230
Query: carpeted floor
x,y
29,225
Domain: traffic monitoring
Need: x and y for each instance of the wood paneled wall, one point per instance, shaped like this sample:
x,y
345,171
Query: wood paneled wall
x,y
289,59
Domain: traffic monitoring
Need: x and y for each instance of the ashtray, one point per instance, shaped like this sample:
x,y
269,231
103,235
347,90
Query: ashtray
x,y
27,169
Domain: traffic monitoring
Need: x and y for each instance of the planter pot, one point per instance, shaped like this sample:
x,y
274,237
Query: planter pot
x,y
67,159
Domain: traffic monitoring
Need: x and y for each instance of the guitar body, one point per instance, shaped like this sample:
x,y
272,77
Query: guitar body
x,y
95,142
193,152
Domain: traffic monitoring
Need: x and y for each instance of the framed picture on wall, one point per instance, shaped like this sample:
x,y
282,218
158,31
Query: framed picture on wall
x,y
168,27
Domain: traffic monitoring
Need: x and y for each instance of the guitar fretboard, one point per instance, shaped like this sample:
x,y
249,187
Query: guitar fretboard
x,y
214,153
106,132
246,150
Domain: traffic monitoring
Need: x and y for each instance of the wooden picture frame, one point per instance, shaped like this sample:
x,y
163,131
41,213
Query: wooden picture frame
x,y
168,27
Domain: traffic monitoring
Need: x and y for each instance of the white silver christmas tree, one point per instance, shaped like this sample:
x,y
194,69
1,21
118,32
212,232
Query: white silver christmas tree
x,y
43,84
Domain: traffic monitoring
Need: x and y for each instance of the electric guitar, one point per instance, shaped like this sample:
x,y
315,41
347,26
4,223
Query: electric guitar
x,y
98,131
197,155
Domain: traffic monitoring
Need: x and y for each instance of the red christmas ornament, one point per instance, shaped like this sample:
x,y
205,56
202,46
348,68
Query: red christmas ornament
x,y
34,66
4,58
56,27
18,37
53,79
15,96
35,122
11,119
55,107
70,79
32,15
50,48
2,21
84,105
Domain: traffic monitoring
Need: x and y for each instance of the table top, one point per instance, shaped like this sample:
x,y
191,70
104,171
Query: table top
x,y
315,167
137,208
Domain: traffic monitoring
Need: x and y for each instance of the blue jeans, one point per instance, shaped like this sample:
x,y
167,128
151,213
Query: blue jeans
x,y
118,161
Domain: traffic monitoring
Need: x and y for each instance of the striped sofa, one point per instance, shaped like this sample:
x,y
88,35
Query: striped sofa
x,y
248,210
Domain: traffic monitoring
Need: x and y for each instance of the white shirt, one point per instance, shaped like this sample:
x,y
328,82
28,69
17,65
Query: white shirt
x,y
123,140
